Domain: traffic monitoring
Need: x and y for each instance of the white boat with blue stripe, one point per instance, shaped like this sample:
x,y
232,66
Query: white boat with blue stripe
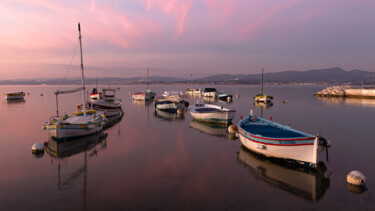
x,y
212,113
275,140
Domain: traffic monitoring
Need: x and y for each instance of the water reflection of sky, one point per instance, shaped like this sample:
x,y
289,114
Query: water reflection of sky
x,y
150,163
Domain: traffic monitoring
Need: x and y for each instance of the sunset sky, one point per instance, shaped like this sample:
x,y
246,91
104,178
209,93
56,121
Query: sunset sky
x,y
38,38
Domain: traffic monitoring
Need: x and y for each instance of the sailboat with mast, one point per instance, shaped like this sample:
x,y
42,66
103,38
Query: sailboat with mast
x,y
78,124
147,95
261,97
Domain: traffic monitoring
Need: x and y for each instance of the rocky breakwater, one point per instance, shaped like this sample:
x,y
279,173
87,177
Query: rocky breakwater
x,y
333,91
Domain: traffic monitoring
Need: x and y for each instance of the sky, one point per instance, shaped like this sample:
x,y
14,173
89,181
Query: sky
x,y
122,38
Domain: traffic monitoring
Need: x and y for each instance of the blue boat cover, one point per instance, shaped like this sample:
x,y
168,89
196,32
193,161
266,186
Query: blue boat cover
x,y
271,131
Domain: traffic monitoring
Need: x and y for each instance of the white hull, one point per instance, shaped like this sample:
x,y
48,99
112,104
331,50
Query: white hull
x,y
141,97
70,131
220,115
302,153
170,106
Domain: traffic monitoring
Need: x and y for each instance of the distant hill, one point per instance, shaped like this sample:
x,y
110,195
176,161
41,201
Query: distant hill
x,y
330,75
334,75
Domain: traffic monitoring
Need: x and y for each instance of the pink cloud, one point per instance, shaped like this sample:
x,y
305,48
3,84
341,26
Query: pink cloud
x,y
179,9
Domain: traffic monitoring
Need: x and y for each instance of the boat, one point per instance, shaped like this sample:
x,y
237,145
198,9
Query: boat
x,y
212,113
190,91
14,96
173,95
209,92
261,97
94,95
224,96
309,185
109,103
169,105
78,124
147,95
278,141
142,96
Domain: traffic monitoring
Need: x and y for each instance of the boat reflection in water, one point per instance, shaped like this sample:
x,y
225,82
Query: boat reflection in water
x,y
168,116
113,120
140,103
310,184
263,104
209,99
15,101
61,151
210,128
76,145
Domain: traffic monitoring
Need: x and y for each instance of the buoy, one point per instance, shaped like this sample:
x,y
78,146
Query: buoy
x,y
41,94
37,148
285,101
232,136
232,129
237,96
356,178
180,111
28,93
229,99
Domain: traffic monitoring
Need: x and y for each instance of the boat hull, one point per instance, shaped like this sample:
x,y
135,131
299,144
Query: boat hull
x,y
169,106
142,96
297,150
14,96
216,115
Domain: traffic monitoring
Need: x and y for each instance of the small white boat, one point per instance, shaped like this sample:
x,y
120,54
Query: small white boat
x,y
169,105
191,91
212,113
14,96
173,95
78,124
142,96
210,92
278,141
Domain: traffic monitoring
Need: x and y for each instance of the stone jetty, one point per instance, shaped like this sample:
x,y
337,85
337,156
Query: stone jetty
x,y
347,91
333,91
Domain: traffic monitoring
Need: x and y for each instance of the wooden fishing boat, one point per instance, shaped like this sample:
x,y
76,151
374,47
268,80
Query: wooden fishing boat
x,y
212,113
275,140
210,92
109,104
79,124
14,96
310,185
169,105
261,97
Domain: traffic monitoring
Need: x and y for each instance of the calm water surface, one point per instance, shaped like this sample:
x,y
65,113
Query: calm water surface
x,y
154,160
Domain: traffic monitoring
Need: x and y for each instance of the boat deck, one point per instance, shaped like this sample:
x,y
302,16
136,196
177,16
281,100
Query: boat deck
x,y
205,110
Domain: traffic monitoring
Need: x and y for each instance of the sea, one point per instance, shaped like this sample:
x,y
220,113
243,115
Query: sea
x,y
150,160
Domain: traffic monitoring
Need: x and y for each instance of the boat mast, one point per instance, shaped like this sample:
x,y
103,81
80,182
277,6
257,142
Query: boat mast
x,y
261,90
148,79
83,77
